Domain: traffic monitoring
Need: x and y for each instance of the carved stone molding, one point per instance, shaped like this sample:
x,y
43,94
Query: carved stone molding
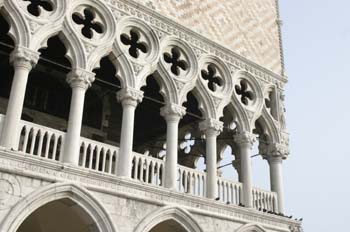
x,y
80,78
274,151
244,139
9,189
211,124
24,58
130,96
172,111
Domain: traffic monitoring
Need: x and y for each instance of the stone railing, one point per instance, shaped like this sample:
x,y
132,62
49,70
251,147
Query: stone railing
x,y
191,181
264,200
41,141
98,156
47,143
229,191
147,169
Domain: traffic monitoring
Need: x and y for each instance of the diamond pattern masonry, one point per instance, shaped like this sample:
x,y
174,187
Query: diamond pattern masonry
x,y
248,27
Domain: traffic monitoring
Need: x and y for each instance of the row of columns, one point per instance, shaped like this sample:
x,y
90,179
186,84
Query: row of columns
x,y
80,80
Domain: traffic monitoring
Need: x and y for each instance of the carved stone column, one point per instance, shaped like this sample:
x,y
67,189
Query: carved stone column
x,y
245,142
79,80
23,61
172,114
212,128
129,99
274,155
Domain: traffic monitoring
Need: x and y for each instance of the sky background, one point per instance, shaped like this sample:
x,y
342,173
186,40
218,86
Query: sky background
x,y
316,37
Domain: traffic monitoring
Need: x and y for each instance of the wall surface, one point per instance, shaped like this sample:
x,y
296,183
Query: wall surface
x,y
249,28
28,183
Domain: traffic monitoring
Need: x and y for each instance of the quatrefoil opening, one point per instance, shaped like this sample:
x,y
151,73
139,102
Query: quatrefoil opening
x,y
35,7
133,41
88,21
210,76
175,61
244,91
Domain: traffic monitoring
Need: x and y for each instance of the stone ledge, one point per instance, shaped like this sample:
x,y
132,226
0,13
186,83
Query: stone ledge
x,y
29,166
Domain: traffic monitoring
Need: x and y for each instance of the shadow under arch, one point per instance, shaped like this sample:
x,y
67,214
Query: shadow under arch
x,y
51,193
180,216
250,228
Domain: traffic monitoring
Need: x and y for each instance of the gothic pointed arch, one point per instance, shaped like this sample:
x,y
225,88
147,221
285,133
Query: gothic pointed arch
x,y
205,103
251,228
181,216
18,27
54,192
267,126
239,115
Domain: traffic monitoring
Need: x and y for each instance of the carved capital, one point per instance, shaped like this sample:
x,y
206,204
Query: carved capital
x,y
212,126
80,78
172,111
23,57
245,139
130,96
275,152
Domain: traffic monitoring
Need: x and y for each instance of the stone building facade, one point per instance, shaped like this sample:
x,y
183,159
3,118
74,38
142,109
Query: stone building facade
x,y
106,108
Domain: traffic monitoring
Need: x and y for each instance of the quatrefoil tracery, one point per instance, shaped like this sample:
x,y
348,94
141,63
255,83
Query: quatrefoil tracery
x,y
211,77
36,6
174,59
88,20
245,93
134,42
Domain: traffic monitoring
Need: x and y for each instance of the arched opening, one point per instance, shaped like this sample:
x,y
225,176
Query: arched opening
x,y
150,126
107,84
57,216
228,159
102,111
59,203
6,70
168,226
48,95
191,140
260,169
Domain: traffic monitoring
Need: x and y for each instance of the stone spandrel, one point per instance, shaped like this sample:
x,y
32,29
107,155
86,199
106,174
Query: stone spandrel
x,y
249,28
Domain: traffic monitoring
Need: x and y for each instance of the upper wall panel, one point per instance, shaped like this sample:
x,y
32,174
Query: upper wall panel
x,y
247,27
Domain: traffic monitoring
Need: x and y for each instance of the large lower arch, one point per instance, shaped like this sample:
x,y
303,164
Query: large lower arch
x,y
251,228
171,214
54,192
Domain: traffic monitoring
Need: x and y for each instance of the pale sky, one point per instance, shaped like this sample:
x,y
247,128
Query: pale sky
x,y
316,37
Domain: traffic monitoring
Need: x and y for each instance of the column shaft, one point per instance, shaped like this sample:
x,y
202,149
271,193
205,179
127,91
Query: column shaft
x,y
246,175
80,80
245,142
276,181
172,114
211,162
126,141
171,152
23,61
72,138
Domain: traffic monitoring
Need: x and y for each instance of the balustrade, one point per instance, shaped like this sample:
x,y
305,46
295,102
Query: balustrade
x,y
40,141
229,191
191,181
47,143
98,156
147,169
264,200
